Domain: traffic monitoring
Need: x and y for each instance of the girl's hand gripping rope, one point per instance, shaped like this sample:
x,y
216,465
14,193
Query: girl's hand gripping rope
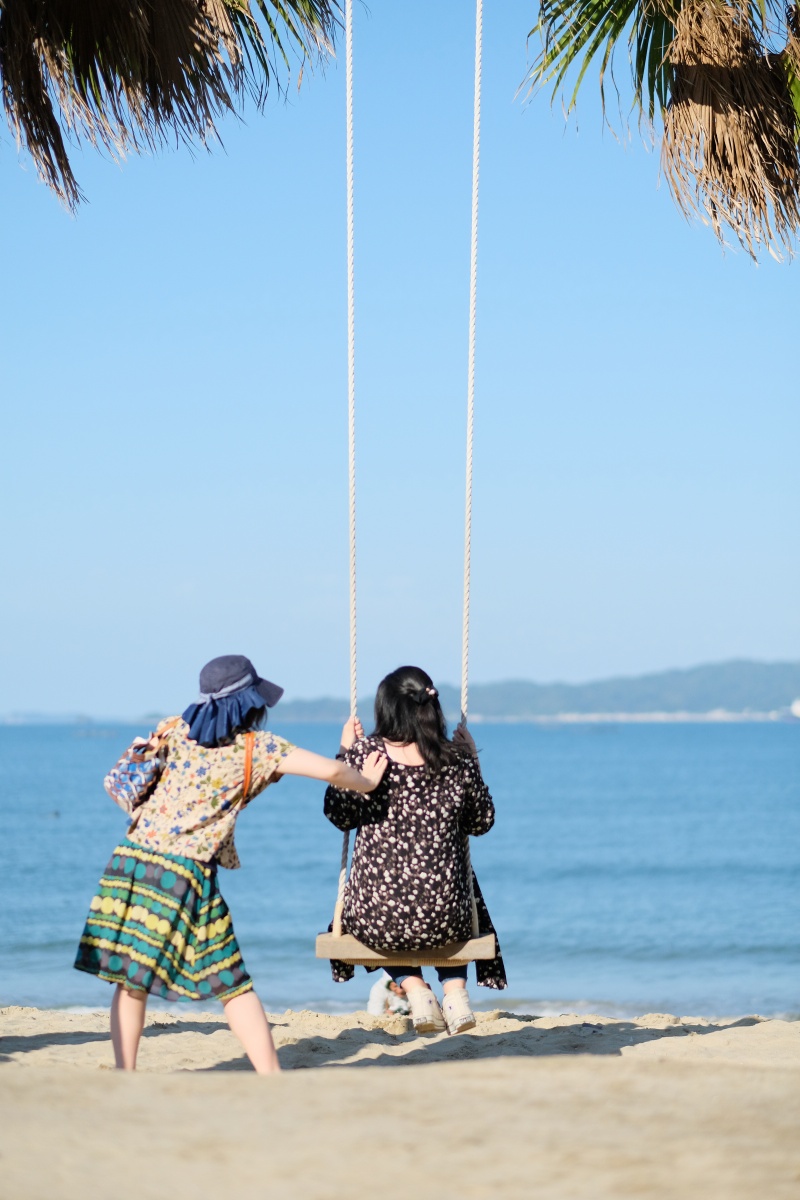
x,y
352,732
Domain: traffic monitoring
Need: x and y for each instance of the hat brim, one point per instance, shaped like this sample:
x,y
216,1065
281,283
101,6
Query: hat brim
x,y
270,691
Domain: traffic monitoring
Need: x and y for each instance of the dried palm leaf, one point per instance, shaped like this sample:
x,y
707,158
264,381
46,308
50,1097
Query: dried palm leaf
x,y
730,133
731,109
127,74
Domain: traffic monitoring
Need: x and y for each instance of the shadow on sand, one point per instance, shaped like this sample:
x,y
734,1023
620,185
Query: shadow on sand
x,y
27,1043
530,1041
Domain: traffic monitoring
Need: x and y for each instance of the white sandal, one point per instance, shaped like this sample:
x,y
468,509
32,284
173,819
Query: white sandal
x,y
456,1011
426,1014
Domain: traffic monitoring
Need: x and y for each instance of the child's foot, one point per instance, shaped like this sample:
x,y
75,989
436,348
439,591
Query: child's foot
x,y
426,1014
456,1011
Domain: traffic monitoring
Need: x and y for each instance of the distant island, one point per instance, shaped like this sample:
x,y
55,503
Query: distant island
x,y
737,690
740,690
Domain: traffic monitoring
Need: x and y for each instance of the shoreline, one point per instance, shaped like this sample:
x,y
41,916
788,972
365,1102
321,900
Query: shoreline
x,y
546,1010
718,716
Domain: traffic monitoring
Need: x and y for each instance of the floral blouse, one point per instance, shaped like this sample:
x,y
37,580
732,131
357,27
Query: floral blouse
x,y
409,887
193,808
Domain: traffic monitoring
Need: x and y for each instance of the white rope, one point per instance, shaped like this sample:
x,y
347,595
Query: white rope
x,y
473,298
473,293
351,357
339,909
473,304
473,902
351,422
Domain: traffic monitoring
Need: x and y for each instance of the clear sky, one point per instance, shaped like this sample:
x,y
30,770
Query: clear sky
x,y
174,396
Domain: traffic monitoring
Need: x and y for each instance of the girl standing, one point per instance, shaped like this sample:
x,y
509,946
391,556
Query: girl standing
x,y
158,923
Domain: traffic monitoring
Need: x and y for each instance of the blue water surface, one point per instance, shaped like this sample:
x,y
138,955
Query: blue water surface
x,y
631,869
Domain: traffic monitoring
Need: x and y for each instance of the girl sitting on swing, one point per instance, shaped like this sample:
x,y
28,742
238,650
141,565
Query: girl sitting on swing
x,y
409,887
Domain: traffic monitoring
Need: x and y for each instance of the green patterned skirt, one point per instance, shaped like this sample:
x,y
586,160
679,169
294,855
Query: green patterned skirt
x,y
159,924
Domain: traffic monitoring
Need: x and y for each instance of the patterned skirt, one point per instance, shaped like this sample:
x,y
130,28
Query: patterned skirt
x,y
159,924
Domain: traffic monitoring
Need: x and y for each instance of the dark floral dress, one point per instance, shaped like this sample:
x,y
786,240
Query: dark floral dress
x,y
408,887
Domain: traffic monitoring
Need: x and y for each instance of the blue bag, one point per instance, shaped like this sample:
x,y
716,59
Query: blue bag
x,y
133,778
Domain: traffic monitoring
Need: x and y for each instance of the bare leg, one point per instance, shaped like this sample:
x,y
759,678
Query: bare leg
x,y
127,1022
449,985
246,1017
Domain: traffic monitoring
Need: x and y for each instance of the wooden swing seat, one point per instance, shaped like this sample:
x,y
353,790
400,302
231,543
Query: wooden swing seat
x,y
349,949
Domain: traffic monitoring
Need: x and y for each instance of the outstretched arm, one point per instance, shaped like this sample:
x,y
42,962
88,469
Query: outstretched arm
x,y
335,772
343,809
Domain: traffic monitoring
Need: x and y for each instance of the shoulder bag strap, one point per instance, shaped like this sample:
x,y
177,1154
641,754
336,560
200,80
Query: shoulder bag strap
x,y
249,742
167,728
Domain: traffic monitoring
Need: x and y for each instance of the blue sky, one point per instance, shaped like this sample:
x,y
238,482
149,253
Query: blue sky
x,y
174,384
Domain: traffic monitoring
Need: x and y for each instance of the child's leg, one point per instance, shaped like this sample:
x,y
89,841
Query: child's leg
x,y
453,979
246,1017
455,1007
127,1022
426,1014
405,977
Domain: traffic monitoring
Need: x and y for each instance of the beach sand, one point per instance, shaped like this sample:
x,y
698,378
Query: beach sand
x,y
568,1108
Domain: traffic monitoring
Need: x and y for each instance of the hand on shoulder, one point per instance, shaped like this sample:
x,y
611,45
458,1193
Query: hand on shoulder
x,y
373,768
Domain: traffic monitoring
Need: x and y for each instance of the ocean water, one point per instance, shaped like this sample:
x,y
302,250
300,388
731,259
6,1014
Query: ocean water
x,y
631,868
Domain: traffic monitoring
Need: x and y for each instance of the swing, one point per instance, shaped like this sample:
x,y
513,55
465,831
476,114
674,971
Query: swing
x,y
337,944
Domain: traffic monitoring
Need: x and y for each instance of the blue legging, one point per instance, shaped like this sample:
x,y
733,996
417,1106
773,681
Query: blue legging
x,y
401,974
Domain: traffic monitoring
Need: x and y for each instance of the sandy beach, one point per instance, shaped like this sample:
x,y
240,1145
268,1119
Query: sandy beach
x,y
573,1106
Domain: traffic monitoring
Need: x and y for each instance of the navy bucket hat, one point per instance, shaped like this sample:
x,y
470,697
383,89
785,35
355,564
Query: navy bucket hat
x,y
230,688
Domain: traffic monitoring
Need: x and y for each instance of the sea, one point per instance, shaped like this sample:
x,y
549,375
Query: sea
x,y
632,868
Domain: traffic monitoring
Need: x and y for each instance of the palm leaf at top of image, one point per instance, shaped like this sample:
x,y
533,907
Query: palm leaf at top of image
x,y
573,32
730,129
790,61
130,74
728,101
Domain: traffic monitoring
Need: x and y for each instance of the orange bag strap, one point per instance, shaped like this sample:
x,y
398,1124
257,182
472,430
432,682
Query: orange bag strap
x,y
168,725
249,742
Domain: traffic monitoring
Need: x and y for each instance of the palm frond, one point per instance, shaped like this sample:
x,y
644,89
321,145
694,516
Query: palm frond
x,y
650,41
729,102
790,61
730,129
574,32
128,74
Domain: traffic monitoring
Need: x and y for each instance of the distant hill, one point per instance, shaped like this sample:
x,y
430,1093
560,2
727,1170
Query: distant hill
x,y
740,686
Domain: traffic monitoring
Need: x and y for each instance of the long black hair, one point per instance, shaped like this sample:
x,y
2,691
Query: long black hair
x,y
407,709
